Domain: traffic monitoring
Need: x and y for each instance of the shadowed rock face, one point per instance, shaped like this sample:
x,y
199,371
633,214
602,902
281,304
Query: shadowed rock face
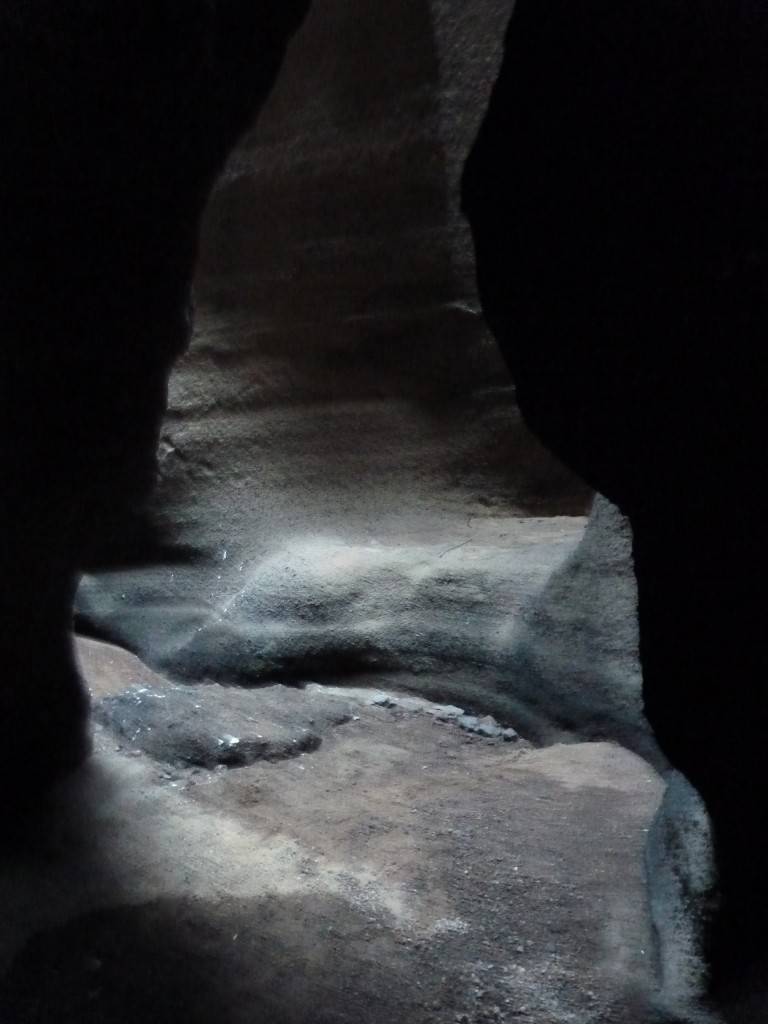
x,y
617,198
115,119
343,427
342,390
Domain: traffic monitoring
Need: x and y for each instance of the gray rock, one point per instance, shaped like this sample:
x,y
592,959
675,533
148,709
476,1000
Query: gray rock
x,y
573,662
682,885
468,722
292,563
383,700
486,726
489,727
445,712
207,726
315,461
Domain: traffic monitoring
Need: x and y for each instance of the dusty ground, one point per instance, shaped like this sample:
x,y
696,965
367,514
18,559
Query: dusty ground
x,y
402,870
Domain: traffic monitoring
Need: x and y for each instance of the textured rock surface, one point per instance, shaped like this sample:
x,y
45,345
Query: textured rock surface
x,y
343,418
574,655
528,618
335,263
683,895
331,605
210,726
403,871
340,373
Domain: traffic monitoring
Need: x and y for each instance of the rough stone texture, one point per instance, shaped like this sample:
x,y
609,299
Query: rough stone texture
x,y
339,353
331,605
210,726
343,417
531,619
616,194
574,655
403,871
340,373
335,263
683,895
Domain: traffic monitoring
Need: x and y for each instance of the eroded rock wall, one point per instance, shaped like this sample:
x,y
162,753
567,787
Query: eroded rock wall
x,y
346,483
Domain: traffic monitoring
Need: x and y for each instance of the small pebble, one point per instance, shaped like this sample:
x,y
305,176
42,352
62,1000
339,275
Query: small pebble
x,y
488,727
383,700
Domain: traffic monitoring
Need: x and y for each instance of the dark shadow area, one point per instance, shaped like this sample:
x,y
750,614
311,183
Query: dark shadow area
x,y
349,886
616,193
114,966
237,962
304,959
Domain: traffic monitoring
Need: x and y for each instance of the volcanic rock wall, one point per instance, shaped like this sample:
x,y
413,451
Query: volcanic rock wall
x,y
346,484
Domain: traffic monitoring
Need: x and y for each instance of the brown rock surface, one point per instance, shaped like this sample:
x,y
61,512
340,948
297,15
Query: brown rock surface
x,y
404,870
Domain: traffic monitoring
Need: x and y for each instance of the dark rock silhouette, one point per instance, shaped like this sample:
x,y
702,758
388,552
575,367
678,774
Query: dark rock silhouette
x,y
115,120
617,199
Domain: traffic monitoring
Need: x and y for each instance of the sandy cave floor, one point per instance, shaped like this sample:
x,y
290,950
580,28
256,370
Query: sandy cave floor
x,y
404,870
